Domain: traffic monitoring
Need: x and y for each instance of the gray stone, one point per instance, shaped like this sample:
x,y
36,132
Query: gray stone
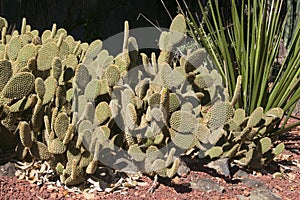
x,y
183,169
263,194
206,184
8,169
253,183
241,174
220,165
260,194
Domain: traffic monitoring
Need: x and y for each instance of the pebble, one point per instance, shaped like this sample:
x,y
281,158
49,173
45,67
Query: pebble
x,y
241,174
46,195
60,195
21,189
183,169
8,169
53,195
176,180
277,187
246,193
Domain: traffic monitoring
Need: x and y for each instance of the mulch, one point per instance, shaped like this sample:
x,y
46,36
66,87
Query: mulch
x,y
281,178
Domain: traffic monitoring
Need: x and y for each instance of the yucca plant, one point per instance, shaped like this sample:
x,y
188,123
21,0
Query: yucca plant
x,y
247,44
293,18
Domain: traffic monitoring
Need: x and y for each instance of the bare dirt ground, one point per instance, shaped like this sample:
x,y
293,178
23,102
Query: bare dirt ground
x,y
279,180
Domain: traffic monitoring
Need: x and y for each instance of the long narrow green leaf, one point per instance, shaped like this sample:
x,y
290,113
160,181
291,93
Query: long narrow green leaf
x,y
248,45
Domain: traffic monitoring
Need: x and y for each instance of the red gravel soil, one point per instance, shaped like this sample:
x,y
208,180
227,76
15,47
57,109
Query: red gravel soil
x,y
284,185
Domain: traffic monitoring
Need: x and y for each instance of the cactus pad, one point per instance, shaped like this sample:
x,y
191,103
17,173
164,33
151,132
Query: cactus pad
x,y
219,114
194,60
92,167
154,100
56,67
82,76
174,102
61,125
202,133
40,151
18,86
239,116
6,72
278,149
131,116
103,112
204,80
40,87
183,122
45,56
23,104
255,117
265,144
57,147
25,134
136,153
3,22
26,52
177,30
173,170
50,88
214,152
112,75
183,141
14,47
275,113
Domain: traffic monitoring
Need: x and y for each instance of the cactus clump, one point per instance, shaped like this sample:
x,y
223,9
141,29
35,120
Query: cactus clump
x,y
78,107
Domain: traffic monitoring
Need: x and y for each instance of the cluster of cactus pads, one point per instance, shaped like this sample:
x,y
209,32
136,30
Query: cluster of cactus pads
x,y
78,107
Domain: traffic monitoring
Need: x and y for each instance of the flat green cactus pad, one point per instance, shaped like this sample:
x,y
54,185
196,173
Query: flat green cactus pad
x,y
3,23
183,122
61,125
25,134
40,151
18,86
14,46
183,141
6,72
103,112
45,56
26,52
220,113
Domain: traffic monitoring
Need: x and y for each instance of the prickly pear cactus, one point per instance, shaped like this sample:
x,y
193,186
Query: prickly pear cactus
x,y
77,107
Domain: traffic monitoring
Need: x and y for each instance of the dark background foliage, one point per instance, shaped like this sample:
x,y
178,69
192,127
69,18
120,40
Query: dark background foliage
x,y
88,20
